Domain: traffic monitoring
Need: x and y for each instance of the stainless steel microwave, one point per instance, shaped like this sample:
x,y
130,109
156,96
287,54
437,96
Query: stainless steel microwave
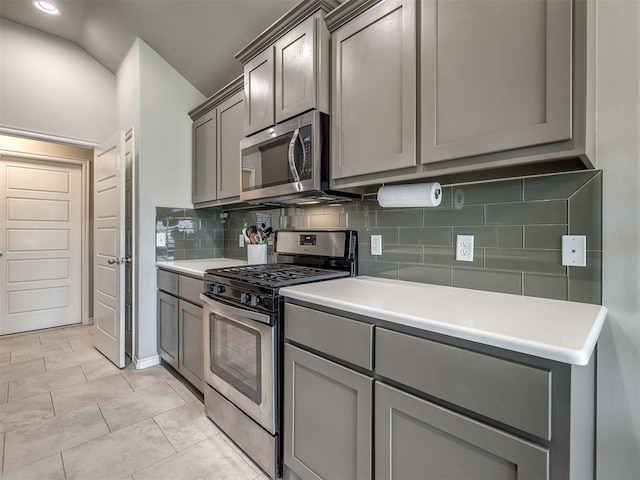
x,y
289,163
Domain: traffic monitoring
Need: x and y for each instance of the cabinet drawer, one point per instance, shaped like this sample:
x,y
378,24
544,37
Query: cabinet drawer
x,y
168,281
505,391
190,289
340,337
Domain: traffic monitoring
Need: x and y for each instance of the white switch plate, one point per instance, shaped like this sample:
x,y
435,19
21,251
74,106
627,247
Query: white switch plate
x,y
574,250
376,244
241,240
464,248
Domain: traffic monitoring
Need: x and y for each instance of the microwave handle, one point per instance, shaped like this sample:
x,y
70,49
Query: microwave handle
x,y
292,160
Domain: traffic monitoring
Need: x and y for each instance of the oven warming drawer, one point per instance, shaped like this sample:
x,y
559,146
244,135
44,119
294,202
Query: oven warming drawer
x,y
255,441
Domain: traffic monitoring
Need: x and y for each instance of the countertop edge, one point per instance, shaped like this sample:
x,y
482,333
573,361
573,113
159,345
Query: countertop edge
x,y
177,267
579,357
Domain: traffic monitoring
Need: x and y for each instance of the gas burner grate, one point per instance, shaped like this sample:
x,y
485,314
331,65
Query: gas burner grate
x,y
276,274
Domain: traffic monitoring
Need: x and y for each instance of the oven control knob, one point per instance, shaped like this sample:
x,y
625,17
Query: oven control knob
x,y
255,300
245,297
218,289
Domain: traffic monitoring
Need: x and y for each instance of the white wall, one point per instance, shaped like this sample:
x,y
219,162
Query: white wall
x,y
49,85
618,154
155,99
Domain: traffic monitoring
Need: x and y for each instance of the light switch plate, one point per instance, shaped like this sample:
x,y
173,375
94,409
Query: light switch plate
x,y
376,244
574,250
464,248
241,240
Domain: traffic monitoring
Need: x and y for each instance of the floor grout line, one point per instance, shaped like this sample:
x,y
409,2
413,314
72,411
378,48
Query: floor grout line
x,y
64,470
103,418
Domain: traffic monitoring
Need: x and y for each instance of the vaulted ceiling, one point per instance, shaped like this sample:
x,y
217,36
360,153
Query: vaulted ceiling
x,y
197,37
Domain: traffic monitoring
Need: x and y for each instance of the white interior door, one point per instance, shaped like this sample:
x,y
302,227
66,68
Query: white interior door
x,y
109,248
41,245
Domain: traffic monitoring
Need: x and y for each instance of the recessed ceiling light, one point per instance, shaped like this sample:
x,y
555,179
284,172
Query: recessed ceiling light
x,y
46,7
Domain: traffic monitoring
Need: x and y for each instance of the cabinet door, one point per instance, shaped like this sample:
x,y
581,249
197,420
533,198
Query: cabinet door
x,y
496,75
374,91
296,71
230,132
417,439
191,364
204,170
258,92
327,418
168,328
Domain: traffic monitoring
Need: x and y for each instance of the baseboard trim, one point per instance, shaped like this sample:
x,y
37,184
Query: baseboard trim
x,y
140,363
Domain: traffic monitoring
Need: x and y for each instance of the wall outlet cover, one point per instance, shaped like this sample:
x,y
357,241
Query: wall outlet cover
x,y
574,250
464,248
376,244
241,240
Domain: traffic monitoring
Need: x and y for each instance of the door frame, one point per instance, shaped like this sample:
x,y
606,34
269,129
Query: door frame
x,y
62,153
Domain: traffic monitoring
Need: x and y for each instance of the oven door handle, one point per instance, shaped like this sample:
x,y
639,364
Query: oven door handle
x,y
234,312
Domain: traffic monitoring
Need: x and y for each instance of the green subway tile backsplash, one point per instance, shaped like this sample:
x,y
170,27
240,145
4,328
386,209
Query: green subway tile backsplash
x,y
504,282
452,216
490,192
585,211
425,236
425,274
527,213
555,186
521,260
544,236
545,286
185,234
505,236
517,226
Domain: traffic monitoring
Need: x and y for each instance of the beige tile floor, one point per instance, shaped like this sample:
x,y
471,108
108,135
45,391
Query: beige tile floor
x,y
66,412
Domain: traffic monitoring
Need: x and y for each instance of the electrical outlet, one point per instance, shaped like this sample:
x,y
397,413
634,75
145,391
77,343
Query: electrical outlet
x,y
574,250
376,244
464,248
241,240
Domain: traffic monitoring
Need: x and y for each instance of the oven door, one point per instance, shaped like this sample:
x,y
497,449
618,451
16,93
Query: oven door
x,y
240,359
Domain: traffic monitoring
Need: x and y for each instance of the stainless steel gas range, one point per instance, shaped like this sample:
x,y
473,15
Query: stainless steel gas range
x,y
243,334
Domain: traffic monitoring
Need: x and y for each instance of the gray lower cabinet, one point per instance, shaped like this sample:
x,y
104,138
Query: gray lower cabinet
x,y
191,353
445,408
168,328
180,341
418,439
327,418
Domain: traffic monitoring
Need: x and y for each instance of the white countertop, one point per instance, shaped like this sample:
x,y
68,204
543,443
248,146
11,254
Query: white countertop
x,y
557,330
198,267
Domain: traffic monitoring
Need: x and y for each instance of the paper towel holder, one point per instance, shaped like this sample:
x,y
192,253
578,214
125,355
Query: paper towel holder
x,y
410,195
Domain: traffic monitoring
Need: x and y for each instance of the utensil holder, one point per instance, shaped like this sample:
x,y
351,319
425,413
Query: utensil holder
x,y
256,254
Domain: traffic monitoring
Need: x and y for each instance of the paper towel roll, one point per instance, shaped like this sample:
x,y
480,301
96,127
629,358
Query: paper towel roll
x,y
413,195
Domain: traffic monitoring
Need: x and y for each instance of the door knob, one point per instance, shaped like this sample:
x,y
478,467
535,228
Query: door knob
x,y
112,261
1,253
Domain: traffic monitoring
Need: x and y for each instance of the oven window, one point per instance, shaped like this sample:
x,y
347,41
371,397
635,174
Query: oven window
x,y
236,356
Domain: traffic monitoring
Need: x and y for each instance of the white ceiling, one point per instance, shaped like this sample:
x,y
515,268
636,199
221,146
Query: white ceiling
x,y
197,37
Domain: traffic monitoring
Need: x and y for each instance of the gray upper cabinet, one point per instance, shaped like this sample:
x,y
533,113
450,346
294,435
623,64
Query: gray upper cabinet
x,y
505,88
495,75
217,130
373,82
230,120
327,418
258,92
205,172
286,68
296,70
418,439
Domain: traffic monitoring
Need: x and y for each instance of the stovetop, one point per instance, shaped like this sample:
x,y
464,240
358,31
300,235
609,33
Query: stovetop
x,y
274,275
